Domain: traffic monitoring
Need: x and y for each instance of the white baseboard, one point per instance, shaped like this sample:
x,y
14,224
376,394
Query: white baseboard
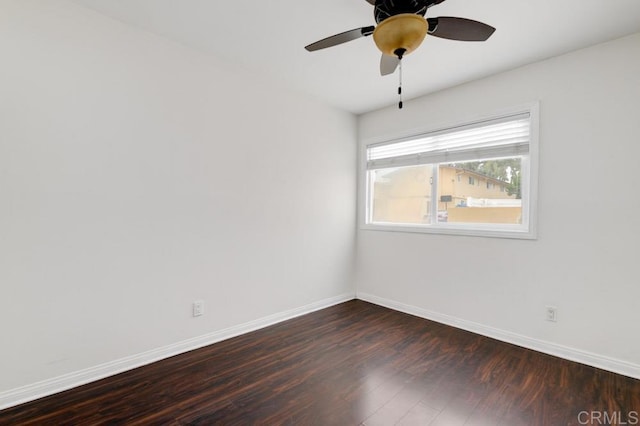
x,y
55,385
610,364
38,390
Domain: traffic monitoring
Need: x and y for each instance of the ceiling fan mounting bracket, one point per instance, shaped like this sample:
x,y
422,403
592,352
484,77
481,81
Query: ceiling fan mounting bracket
x,y
385,9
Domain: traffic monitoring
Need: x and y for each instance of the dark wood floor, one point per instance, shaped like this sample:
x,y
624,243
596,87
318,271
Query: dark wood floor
x,y
351,364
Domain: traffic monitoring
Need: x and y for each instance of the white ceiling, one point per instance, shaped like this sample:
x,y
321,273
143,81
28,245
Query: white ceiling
x,y
268,37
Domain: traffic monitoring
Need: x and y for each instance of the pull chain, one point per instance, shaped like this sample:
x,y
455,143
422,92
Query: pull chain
x,y
399,52
400,85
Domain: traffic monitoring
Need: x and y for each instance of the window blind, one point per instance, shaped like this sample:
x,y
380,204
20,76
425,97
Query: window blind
x,y
502,137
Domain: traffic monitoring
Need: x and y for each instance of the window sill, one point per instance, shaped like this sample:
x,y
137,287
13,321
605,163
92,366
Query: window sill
x,y
491,231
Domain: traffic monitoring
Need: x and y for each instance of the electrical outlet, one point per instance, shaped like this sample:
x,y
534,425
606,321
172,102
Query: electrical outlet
x,y
198,308
552,313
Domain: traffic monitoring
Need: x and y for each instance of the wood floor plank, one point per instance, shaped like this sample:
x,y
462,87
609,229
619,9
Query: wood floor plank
x,y
351,364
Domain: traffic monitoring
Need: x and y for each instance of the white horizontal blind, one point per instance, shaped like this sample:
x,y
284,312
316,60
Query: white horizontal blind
x,y
502,137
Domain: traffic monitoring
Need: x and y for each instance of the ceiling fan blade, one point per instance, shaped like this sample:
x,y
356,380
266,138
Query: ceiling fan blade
x,y
388,64
340,38
459,29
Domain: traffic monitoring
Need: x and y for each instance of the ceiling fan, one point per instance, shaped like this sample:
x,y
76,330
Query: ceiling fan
x,y
401,29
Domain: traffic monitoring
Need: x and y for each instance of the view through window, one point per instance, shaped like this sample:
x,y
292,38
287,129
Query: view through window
x,y
476,176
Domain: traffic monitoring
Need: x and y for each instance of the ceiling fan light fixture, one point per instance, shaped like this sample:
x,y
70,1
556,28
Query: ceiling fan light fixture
x,y
405,31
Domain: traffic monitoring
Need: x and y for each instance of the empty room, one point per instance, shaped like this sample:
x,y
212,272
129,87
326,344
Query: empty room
x,y
347,212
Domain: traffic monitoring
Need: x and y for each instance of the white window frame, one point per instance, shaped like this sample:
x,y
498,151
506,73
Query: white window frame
x,y
529,188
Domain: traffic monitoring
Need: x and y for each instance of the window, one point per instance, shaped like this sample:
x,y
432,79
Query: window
x,y
411,182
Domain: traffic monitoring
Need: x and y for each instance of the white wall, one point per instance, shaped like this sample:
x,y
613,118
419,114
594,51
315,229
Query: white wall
x,y
137,176
585,260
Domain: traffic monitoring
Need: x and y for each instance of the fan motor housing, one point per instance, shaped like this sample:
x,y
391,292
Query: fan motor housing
x,y
385,9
